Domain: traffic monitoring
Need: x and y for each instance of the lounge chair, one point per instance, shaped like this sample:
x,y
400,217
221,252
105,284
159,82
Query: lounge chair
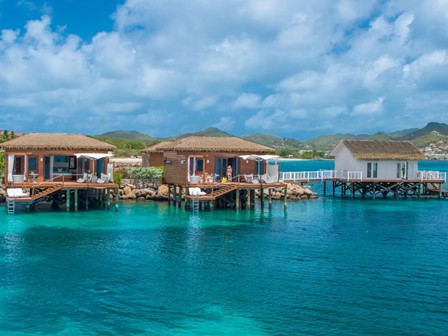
x,y
196,192
103,179
248,178
16,192
83,179
268,179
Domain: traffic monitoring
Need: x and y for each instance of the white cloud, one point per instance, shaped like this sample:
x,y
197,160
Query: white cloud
x,y
174,65
368,109
247,100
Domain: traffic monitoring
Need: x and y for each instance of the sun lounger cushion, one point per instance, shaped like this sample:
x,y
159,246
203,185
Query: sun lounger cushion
x,y
83,178
16,192
104,178
196,192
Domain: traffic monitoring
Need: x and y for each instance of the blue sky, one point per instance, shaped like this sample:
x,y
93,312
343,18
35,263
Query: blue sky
x,y
293,68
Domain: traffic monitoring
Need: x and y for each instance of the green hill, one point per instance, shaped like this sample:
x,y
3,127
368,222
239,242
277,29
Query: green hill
x,y
274,141
431,128
211,131
127,135
327,142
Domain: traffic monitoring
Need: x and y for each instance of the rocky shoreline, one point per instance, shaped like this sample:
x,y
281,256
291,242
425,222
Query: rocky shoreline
x,y
149,191
142,191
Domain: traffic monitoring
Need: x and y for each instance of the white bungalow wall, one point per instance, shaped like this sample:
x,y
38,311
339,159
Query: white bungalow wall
x,y
344,160
387,170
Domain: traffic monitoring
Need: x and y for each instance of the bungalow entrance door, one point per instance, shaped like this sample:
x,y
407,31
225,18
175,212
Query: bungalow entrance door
x,y
402,170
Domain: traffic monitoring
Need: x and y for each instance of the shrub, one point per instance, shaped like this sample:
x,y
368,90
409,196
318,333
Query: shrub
x,y
145,173
118,176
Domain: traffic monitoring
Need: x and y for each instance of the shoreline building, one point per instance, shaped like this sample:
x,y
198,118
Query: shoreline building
x,y
63,168
382,167
199,167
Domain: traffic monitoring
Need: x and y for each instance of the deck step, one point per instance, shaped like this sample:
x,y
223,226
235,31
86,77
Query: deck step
x,y
47,192
11,205
195,205
224,190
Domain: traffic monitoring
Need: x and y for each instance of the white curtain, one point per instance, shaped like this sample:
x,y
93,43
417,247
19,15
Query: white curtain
x,y
110,169
25,167
51,167
272,171
10,166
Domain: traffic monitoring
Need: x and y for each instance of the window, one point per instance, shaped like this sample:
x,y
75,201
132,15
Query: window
x,y
32,163
372,169
199,165
402,170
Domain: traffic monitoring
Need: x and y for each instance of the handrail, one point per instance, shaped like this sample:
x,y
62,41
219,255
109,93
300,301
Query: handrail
x,y
431,175
37,185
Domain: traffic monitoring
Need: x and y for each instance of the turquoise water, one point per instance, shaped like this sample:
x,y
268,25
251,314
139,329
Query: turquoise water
x,y
323,267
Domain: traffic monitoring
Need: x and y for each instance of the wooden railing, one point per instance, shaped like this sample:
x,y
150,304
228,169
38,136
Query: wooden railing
x,y
431,175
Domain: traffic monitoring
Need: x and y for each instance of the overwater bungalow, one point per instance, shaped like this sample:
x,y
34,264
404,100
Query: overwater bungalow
x,y
55,167
220,172
153,155
381,167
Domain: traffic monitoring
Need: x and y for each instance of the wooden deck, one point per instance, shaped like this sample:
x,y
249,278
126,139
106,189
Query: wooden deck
x,y
73,194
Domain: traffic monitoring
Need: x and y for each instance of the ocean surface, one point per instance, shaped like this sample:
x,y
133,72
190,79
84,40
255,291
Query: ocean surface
x,y
323,267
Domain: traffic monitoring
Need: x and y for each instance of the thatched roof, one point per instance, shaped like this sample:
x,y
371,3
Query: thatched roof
x,y
216,144
383,150
56,141
157,148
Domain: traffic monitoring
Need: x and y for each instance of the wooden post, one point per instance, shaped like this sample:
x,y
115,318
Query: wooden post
x,y
353,190
117,197
270,198
248,198
373,190
262,197
180,197
169,194
76,199
325,188
237,199
67,200
440,190
175,195
334,188
108,198
285,198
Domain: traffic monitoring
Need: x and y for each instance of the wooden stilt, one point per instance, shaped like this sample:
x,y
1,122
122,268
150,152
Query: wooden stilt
x,y
262,197
67,200
108,198
175,195
270,198
285,198
169,194
325,188
117,197
249,192
76,199
237,199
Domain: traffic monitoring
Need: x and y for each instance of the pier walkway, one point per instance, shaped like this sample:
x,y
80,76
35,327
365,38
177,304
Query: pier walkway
x,y
424,184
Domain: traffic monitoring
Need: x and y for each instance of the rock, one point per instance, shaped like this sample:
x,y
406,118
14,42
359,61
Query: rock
x,y
127,191
162,190
132,186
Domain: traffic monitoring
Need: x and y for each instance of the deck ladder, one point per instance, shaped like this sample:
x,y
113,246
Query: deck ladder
x,y
11,205
195,204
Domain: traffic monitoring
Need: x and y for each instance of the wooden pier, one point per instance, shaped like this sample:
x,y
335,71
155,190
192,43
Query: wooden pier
x,y
70,195
229,195
427,184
